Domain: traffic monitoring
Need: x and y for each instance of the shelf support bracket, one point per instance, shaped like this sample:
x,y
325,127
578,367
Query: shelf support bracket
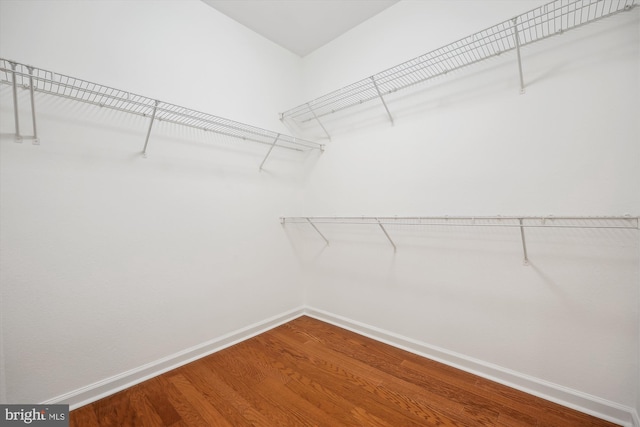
x,y
15,101
384,230
375,84
524,243
269,152
153,117
319,122
36,141
318,231
517,40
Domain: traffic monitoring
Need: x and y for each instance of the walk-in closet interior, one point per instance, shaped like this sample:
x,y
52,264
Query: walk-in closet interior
x,y
459,179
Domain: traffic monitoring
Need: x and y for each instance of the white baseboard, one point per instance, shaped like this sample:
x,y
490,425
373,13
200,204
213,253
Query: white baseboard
x,y
574,399
583,402
108,386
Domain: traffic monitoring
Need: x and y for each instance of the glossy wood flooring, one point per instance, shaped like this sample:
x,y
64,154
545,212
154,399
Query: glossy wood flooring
x,y
310,373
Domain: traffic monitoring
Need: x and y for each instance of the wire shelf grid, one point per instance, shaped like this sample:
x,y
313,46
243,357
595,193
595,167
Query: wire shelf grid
x,y
520,222
75,89
535,25
578,222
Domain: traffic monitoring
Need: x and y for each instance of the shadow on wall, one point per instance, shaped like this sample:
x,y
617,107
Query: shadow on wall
x,y
463,291
432,259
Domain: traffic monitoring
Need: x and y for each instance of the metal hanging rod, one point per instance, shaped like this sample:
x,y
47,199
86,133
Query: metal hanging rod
x,y
48,82
535,25
521,222
551,221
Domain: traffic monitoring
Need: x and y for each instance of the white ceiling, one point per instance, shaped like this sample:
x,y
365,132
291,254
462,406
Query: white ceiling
x,y
300,26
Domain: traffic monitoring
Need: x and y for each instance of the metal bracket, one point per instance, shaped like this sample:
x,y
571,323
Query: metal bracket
x,y
318,120
36,141
387,234
517,40
15,100
269,152
153,116
375,84
318,231
524,243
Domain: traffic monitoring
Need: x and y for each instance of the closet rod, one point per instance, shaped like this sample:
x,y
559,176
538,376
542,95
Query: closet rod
x,y
625,222
43,81
521,222
535,25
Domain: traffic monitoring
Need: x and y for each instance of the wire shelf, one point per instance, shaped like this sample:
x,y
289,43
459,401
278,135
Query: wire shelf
x,y
538,24
583,222
520,222
75,89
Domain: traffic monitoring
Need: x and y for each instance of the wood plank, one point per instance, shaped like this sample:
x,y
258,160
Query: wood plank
x,y
84,416
160,402
266,404
146,416
474,401
387,389
548,413
411,401
308,372
229,405
303,410
227,396
115,411
197,398
353,391
349,380
188,414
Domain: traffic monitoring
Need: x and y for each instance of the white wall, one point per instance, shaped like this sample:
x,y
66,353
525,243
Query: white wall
x,y
470,144
111,261
179,52
397,35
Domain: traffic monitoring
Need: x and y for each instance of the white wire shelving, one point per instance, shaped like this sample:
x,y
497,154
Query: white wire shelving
x,y
34,79
520,222
535,25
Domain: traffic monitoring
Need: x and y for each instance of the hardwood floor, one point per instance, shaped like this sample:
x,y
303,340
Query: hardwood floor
x,y
310,373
